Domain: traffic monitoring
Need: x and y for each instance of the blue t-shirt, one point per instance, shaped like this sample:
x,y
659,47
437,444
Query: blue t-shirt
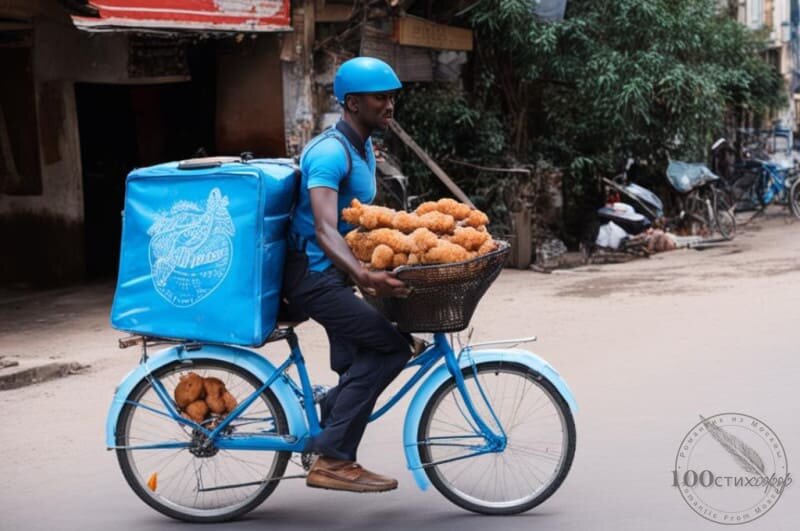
x,y
323,162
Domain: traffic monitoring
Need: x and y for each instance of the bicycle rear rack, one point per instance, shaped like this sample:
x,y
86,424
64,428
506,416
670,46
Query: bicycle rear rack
x,y
154,341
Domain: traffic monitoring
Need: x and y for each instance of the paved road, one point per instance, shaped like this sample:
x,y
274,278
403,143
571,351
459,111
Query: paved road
x,y
647,346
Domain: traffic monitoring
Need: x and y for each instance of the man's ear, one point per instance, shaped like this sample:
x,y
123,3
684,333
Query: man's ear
x,y
351,103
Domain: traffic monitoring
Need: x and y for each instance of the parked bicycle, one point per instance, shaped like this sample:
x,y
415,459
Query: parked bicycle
x,y
760,183
491,427
702,203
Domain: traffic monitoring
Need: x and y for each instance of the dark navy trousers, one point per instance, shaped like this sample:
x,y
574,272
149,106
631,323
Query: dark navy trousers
x,y
366,350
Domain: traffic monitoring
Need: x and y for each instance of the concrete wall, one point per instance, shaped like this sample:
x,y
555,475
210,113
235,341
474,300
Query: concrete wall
x,y
42,235
249,115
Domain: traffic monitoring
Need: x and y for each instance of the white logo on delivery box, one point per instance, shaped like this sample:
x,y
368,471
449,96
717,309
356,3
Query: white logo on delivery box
x,y
191,249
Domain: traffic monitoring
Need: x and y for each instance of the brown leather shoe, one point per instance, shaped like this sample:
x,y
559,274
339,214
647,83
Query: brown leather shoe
x,y
337,474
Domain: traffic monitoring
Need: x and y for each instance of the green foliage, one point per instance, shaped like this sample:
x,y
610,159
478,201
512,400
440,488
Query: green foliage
x,y
646,78
447,126
650,78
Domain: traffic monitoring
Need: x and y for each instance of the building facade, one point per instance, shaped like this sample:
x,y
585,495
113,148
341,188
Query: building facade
x,y
779,19
94,88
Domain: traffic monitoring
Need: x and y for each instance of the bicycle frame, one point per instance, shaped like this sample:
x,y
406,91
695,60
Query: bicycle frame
x,y
777,180
430,358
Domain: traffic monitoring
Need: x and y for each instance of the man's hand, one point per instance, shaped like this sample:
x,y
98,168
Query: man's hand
x,y
382,284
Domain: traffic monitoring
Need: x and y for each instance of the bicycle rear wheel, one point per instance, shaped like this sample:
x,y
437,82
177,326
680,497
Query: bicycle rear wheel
x,y
193,483
724,216
540,444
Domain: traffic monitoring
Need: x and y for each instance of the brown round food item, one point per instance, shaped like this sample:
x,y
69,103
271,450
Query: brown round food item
x,y
382,257
214,391
197,411
189,389
230,401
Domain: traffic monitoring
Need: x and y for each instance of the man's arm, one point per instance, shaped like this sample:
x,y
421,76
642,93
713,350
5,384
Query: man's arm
x,y
324,206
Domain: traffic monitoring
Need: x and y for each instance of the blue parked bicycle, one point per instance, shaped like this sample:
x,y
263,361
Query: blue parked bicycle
x,y
763,182
491,427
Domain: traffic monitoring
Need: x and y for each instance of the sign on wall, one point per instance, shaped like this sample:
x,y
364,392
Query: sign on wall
x,y
198,15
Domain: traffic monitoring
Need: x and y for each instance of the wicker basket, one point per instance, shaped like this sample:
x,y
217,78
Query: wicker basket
x,y
443,297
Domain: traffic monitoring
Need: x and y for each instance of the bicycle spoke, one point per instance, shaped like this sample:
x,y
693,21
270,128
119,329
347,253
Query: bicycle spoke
x,y
536,446
186,477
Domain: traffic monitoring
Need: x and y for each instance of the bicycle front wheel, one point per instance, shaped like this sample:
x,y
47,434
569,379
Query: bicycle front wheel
x,y
540,446
193,481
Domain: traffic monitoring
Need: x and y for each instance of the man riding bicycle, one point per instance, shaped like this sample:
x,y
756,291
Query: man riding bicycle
x,y
366,350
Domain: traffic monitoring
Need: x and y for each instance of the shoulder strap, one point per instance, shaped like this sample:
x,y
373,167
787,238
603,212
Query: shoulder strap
x,y
347,154
330,132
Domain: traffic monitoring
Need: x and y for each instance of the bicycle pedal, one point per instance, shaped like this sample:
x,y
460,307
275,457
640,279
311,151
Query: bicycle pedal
x,y
307,459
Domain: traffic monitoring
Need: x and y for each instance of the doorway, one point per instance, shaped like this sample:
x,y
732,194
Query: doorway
x,y
123,127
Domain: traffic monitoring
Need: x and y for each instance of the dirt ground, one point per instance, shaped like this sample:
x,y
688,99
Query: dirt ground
x,y
646,346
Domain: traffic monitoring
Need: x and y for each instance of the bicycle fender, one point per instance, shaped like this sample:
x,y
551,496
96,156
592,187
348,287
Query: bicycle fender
x,y
440,375
253,362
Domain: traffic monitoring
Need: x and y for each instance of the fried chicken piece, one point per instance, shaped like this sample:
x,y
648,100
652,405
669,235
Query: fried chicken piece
x,y
374,217
352,214
476,219
196,411
438,222
215,388
487,247
406,222
445,205
399,242
413,259
452,207
427,206
361,245
382,257
230,401
422,240
400,259
189,389
469,238
445,253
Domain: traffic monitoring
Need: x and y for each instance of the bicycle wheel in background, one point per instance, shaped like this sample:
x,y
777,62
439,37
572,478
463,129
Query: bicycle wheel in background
x,y
724,215
744,191
196,483
540,445
697,216
794,198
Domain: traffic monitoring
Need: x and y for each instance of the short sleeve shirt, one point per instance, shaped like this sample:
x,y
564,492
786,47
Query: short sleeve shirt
x,y
323,163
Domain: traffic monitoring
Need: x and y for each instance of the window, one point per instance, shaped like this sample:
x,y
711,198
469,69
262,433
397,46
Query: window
x,y
755,13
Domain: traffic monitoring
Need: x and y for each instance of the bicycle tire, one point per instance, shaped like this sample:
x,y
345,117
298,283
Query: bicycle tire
x,y
724,216
743,190
440,483
279,462
794,198
696,211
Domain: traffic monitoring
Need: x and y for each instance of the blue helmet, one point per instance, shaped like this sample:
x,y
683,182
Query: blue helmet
x,y
364,74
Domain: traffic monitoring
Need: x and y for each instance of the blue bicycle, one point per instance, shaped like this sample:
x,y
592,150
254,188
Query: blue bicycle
x,y
491,427
762,182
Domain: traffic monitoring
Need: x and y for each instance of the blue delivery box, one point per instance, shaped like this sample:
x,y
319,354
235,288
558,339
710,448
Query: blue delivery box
x,y
203,248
